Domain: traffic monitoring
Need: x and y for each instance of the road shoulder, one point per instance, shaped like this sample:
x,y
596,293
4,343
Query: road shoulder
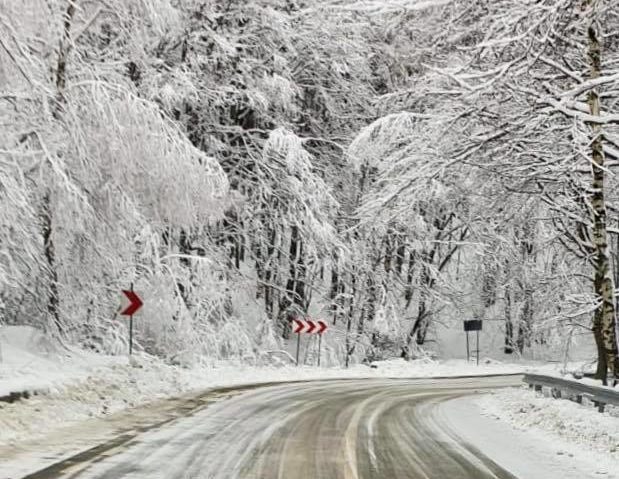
x,y
530,453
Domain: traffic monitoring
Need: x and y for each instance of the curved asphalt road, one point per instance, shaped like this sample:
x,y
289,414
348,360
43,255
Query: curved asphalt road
x,y
353,429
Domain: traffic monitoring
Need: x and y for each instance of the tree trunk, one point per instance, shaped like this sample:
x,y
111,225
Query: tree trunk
x,y
369,310
615,255
408,291
400,255
335,286
184,248
63,55
602,366
350,345
50,257
604,318
293,301
389,249
525,323
269,275
421,327
424,321
46,207
259,265
509,325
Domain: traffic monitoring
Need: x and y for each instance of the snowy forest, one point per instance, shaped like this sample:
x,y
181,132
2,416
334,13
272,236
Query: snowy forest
x,y
391,167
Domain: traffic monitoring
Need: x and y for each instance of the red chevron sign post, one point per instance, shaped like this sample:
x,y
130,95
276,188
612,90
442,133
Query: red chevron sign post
x,y
135,303
307,326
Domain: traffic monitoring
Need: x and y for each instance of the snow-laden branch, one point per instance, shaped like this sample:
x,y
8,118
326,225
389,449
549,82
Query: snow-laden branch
x,y
590,84
567,108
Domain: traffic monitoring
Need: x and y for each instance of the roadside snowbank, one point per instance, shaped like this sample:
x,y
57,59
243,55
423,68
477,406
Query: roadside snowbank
x,y
578,425
78,385
116,386
527,450
29,362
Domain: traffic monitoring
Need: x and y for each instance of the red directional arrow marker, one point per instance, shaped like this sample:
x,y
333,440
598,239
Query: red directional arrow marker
x,y
322,327
135,303
298,325
311,326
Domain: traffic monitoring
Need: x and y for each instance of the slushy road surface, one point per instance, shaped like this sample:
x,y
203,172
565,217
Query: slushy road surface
x,y
349,429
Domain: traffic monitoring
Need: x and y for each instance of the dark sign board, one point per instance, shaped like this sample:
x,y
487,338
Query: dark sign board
x,y
472,325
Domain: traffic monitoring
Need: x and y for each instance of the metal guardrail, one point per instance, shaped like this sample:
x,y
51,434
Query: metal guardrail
x,y
573,390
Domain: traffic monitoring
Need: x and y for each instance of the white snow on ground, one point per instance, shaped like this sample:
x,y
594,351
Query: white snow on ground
x,y
78,385
527,450
81,388
577,432
28,361
581,424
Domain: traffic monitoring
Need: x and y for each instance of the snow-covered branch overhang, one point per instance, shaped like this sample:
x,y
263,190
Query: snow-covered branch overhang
x,y
590,84
569,109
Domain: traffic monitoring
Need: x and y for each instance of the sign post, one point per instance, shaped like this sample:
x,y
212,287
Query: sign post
x,y
477,346
298,346
308,327
135,303
472,325
468,351
322,326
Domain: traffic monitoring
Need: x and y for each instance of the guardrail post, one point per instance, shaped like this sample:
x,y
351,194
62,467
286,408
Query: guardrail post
x,y
600,405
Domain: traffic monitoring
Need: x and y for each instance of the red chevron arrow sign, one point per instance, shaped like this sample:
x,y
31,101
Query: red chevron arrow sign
x,y
135,303
311,327
298,325
308,327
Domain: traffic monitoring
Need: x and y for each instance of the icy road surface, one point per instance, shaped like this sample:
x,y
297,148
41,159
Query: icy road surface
x,y
354,429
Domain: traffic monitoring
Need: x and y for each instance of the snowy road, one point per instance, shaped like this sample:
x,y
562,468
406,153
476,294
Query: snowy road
x,y
334,429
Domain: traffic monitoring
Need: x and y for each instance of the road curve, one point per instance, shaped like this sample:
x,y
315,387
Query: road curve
x,y
354,429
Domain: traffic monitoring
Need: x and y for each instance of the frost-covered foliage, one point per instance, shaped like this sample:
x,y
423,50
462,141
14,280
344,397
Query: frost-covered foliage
x,y
390,166
95,178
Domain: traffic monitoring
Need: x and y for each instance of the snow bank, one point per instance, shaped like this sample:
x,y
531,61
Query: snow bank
x,y
30,362
527,452
450,367
78,385
123,384
579,425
